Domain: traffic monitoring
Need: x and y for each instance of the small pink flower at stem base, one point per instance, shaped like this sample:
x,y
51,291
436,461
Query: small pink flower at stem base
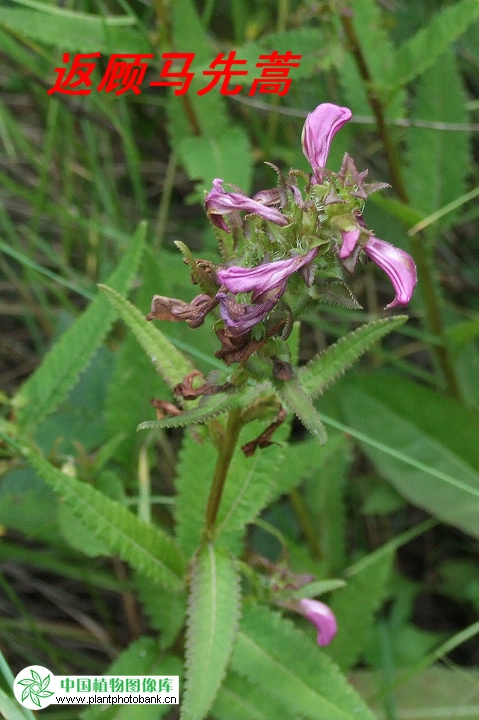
x,y
319,129
322,617
398,266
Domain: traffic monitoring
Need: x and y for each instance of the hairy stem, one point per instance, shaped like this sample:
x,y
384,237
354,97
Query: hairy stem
x,y
225,453
428,286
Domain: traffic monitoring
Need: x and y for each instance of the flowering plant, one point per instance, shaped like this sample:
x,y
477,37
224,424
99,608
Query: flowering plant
x,y
283,251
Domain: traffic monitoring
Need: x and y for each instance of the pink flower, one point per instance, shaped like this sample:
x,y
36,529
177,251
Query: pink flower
x,y
240,317
263,278
319,129
266,282
398,266
322,617
218,202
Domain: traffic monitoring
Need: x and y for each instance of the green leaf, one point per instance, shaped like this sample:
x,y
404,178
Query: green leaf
x,y
281,661
11,710
322,370
146,547
238,699
421,51
227,155
310,42
170,363
324,491
248,488
75,31
210,408
298,401
354,606
201,131
61,366
378,53
430,450
164,615
142,657
213,613
438,161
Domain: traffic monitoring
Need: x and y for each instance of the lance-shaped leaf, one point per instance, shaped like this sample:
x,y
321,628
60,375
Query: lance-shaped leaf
x,y
211,407
298,401
213,615
170,363
333,362
59,371
280,660
421,51
145,547
238,699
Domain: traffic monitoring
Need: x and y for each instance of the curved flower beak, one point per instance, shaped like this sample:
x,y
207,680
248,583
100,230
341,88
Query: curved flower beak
x,y
263,278
398,266
218,202
322,617
319,129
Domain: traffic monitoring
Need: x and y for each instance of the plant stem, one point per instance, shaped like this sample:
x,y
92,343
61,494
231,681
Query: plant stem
x,y
428,286
225,453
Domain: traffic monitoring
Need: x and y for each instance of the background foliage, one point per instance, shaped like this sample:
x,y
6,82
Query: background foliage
x,y
99,522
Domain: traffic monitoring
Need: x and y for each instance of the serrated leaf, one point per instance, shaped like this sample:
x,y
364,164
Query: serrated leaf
x,y
279,659
75,31
421,51
210,408
238,699
141,657
438,161
379,55
333,362
423,443
61,366
298,401
170,363
354,606
213,614
146,547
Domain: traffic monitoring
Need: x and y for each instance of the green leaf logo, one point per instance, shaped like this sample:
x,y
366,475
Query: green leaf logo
x,y
31,687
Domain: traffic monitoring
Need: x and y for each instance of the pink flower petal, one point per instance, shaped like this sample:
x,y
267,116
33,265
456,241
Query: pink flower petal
x,y
262,278
350,238
218,202
322,617
398,266
319,129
